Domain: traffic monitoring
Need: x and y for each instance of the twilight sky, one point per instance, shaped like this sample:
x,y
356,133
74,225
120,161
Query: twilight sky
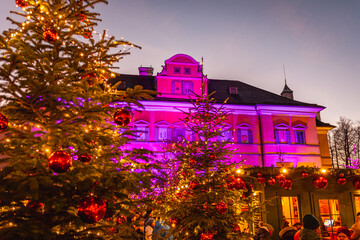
x,y
318,41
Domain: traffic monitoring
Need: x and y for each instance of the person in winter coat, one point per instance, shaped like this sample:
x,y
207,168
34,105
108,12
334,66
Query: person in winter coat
x,y
149,226
356,228
343,233
311,224
264,232
161,230
287,233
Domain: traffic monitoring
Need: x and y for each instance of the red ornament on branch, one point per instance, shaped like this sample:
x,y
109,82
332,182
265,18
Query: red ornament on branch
x,y
239,183
60,161
194,184
174,221
121,220
260,178
236,228
271,181
341,179
35,207
80,16
90,77
304,174
87,33
280,177
356,183
221,207
85,158
212,157
91,209
320,182
206,236
286,184
4,123
122,117
50,35
21,3
192,162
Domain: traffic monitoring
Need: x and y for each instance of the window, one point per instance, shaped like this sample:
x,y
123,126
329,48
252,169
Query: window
x,y
244,133
177,70
330,214
187,71
299,137
244,136
290,210
162,131
233,90
180,134
187,87
282,136
357,204
226,135
141,129
299,132
176,87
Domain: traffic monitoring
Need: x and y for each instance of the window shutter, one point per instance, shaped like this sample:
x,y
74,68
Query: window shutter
x,y
277,136
250,135
288,137
156,136
238,135
168,137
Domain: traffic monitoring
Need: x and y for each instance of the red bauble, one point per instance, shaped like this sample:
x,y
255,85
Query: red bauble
x,y
174,221
271,181
198,101
221,207
206,236
239,183
192,162
90,77
280,177
91,209
304,174
85,157
236,228
286,184
356,183
320,182
341,179
251,186
35,207
212,157
80,16
194,184
87,33
21,3
4,123
50,35
230,178
121,220
122,117
260,178
60,161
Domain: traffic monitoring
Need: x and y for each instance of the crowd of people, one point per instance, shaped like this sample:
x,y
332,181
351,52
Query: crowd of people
x,y
309,229
147,226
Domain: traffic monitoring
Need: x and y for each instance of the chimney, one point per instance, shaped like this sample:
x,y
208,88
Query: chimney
x,y
146,71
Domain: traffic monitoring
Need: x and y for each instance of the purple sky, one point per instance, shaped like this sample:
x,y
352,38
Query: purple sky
x,y
317,41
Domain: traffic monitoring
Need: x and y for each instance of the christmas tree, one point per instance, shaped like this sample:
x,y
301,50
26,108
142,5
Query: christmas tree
x,y
206,195
66,174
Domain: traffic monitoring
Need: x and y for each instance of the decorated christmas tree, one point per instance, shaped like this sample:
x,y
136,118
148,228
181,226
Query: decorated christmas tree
x,y
206,197
65,173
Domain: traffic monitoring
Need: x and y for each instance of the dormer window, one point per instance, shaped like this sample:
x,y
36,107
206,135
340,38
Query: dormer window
x,y
187,71
233,90
177,70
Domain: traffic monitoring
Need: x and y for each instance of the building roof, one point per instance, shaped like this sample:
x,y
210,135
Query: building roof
x,y
246,94
323,124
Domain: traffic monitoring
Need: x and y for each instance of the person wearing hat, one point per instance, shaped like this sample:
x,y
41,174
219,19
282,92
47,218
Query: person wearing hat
x,y
343,233
298,225
264,232
149,226
310,224
287,233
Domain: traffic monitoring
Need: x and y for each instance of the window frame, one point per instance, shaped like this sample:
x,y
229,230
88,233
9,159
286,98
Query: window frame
x,y
162,125
226,128
248,128
299,128
284,128
292,218
141,124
